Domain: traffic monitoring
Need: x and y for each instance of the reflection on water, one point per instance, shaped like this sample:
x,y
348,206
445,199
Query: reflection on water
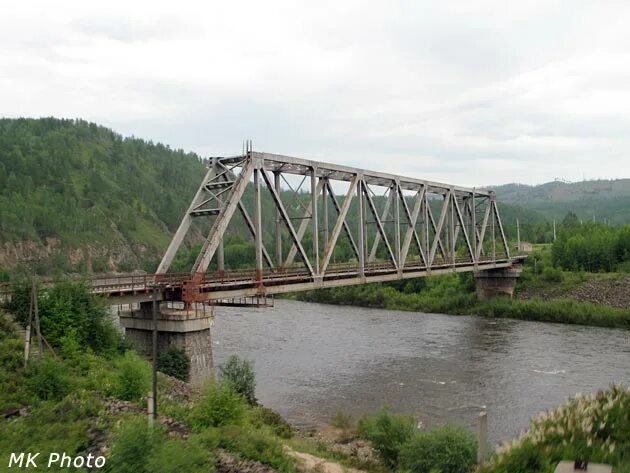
x,y
313,359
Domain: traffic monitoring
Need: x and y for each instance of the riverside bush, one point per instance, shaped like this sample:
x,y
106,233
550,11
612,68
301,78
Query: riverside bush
x,y
218,406
240,375
595,427
133,377
444,449
560,310
174,362
261,415
256,445
387,432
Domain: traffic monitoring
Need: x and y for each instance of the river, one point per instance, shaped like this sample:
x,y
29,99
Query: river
x,y
312,360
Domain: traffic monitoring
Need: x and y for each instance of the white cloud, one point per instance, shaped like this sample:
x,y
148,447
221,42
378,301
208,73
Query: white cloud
x,y
469,92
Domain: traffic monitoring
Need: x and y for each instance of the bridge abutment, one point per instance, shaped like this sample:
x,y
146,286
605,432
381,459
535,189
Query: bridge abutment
x,y
496,282
188,330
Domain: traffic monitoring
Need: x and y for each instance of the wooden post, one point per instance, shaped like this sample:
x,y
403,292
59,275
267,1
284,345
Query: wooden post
x,y
155,353
27,343
150,408
40,344
482,437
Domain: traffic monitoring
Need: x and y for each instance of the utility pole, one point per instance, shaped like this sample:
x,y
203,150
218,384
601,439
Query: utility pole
x,y
554,230
518,236
155,352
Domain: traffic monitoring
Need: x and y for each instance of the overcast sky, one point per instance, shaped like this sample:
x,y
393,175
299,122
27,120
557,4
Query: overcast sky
x,y
473,95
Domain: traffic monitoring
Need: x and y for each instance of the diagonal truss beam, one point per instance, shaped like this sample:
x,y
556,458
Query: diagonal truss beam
x,y
184,225
308,212
379,224
340,223
440,225
460,218
215,237
435,232
346,228
228,174
500,225
384,215
287,220
482,232
412,219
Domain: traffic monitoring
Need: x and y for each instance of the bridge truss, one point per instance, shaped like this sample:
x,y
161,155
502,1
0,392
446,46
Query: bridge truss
x,y
349,226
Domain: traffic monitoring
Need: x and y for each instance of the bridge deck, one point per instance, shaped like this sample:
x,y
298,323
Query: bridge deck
x,y
233,284
126,288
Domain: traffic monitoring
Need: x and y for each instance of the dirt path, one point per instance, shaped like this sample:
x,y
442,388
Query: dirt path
x,y
310,463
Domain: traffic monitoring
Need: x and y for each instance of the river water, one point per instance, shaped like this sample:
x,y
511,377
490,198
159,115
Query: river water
x,y
312,360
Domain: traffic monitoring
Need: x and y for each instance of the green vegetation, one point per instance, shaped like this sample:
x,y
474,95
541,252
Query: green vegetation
x,y
404,448
70,184
388,433
72,401
240,375
598,200
138,450
455,294
592,247
445,449
133,379
565,311
594,427
174,362
72,318
218,406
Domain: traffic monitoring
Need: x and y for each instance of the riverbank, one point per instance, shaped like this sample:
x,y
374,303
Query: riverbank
x,y
551,296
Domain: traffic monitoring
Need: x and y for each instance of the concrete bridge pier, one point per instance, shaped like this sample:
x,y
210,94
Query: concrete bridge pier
x,y
188,330
496,282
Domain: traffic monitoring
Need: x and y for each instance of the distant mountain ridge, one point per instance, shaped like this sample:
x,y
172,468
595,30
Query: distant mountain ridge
x,y
559,191
598,200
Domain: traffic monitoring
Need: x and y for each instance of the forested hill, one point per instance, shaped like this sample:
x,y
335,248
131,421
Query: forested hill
x,y
77,196
603,200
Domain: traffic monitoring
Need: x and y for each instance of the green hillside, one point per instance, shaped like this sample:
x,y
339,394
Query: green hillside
x,y
602,200
77,196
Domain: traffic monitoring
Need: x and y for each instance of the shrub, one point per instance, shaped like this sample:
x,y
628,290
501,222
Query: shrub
x,y
240,375
256,445
341,420
218,406
48,379
132,447
550,274
176,456
174,362
387,432
595,427
444,449
526,459
133,377
264,416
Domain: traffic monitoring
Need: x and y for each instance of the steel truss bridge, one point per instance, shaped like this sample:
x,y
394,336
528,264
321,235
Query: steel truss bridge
x,y
395,227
